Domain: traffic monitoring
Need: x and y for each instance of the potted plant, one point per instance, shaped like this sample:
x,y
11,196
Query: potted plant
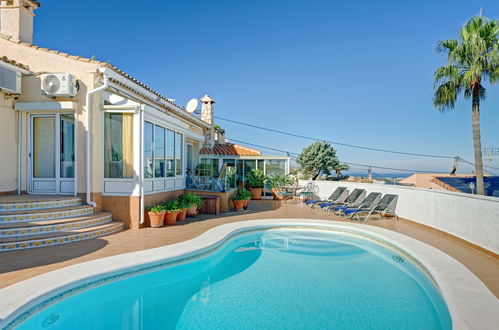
x,y
277,182
156,215
182,206
171,209
239,198
256,179
194,203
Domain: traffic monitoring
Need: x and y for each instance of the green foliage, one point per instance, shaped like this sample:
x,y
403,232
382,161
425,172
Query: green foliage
x,y
171,206
241,194
191,199
230,174
317,158
217,128
278,181
341,167
156,208
204,169
471,60
256,178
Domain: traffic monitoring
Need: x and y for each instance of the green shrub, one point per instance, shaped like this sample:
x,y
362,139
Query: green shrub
x,y
156,208
171,206
280,180
242,194
256,178
191,199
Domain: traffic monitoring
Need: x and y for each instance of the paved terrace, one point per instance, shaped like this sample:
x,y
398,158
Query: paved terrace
x,y
16,266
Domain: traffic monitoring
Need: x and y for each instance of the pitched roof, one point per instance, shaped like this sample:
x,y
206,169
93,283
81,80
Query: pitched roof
x,y
230,149
112,67
462,184
12,62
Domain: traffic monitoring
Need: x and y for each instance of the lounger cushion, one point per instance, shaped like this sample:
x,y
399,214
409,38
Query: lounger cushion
x,y
337,208
326,204
353,210
311,201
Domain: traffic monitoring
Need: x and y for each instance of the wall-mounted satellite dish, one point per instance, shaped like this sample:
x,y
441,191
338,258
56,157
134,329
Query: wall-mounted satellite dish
x,y
191,105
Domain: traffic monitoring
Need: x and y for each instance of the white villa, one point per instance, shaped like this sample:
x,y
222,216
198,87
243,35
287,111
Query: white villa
x,y
76,126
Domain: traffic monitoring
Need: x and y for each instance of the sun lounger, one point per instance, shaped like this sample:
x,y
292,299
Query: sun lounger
x,y
386,205
337,193
368,203
355,198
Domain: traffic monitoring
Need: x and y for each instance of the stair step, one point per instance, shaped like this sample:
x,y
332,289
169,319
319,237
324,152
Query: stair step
x,y
8,232
45,214
63,237
8,205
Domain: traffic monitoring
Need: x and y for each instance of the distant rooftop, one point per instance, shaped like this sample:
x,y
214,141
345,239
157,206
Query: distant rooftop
x,y
230,149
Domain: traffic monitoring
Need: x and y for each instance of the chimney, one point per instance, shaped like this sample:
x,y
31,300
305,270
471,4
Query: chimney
x,y
220,136
16,19
207,115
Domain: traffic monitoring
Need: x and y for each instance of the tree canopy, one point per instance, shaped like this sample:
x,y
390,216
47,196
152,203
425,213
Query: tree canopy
x,y
318,158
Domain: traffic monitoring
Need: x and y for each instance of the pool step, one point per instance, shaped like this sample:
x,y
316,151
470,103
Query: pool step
x,y
55,238
7,217
8,205
20,230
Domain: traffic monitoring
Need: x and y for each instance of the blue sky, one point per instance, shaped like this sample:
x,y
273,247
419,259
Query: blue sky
x,y
357,72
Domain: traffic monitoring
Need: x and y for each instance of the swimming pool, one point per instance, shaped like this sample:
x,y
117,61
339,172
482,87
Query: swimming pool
x,y
271,278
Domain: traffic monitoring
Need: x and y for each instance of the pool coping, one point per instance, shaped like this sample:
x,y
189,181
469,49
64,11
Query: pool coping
x,y
470,303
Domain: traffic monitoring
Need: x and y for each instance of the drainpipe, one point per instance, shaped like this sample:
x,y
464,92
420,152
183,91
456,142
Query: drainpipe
x,y
141,162
89,109
19,150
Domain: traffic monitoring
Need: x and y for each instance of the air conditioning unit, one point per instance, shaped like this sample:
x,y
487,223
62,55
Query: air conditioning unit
x,y
10,80
58,84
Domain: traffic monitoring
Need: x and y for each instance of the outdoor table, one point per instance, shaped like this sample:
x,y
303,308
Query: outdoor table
x,y
293,189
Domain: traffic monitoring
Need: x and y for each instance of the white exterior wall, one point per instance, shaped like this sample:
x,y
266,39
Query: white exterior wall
x,y
470,217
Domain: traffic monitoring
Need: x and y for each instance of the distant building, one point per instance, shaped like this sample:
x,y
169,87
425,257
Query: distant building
x,y
456,182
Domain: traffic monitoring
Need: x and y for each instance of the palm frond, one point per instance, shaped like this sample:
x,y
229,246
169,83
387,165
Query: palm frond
x,y
445,96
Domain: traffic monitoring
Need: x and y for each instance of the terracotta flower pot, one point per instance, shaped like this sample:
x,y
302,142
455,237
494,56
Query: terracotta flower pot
x,y
192,211
256,193
238,204
181,215
156,218
170,217
246,204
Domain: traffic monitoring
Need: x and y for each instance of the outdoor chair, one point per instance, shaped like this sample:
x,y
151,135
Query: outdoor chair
x,y
368,203
309,192
355,198
386,206
337,193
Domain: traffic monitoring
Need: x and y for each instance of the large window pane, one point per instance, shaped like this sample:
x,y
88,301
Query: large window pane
x,y
275,166
170,153
159,152
148,150
118,152
178,153
67,146
44,147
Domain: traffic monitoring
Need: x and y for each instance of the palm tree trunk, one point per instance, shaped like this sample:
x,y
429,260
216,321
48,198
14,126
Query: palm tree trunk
x,y
475,116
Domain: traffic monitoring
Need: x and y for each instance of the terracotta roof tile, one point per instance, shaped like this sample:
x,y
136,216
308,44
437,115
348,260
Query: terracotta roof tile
x,y
12,62
230,149
184,114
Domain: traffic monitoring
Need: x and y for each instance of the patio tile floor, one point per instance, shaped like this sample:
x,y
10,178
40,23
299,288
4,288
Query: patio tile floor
x,y
19,265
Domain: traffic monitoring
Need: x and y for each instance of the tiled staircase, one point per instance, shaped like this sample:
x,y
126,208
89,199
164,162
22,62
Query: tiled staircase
x,y
34,223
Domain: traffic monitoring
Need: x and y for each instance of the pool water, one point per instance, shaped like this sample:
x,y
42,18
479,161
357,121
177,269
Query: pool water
x,y
274,279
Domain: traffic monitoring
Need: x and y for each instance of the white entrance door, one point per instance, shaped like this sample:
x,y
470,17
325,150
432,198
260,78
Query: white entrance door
x,y
51,155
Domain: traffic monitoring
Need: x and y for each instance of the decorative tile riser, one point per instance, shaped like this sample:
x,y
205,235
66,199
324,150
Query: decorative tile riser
x,y
21,206
44,229
16,218
59,240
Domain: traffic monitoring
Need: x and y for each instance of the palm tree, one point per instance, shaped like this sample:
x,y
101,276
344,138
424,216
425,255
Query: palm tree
x,y
472,59
340,167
